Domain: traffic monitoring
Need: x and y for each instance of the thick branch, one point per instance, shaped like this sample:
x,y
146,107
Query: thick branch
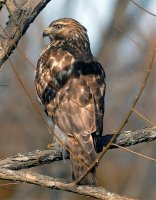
x,y
37,179
31,159
36,158
128,138
11,6
18,23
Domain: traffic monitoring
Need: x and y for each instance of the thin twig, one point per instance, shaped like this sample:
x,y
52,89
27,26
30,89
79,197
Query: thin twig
x,y
3,186
143,9
134,152
145,118
8,184
130,38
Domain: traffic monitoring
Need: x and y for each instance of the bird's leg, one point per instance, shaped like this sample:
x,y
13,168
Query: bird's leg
x,y
51,146
59,148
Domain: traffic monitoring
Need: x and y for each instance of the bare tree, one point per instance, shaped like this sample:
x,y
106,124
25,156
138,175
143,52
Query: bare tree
x,y
19,21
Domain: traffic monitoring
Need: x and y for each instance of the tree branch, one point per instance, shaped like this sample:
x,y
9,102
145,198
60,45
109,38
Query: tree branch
x,y
31,159
36,158
11,6
128,138
37,179
19,21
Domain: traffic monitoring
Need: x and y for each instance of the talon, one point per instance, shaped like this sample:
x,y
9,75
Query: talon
x,y
50,146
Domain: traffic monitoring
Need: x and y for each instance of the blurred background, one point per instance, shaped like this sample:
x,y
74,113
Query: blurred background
x,y
122,37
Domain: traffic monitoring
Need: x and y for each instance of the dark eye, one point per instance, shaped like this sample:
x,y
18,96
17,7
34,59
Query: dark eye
x,y
58,26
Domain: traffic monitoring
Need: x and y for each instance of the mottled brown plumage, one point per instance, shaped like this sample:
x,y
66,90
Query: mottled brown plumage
x,y
70,84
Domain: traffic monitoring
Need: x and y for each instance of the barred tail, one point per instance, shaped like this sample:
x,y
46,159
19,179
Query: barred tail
x,y
80,162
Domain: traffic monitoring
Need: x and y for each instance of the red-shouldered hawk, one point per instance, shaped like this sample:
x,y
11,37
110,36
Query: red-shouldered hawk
x,y
70,84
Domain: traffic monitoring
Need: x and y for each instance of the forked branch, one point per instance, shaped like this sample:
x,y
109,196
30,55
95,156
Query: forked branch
x,y
36,158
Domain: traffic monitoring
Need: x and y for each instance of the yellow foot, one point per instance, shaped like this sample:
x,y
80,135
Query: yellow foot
x,y
51,146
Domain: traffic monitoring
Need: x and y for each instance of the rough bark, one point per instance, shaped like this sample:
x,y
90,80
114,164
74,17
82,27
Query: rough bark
x,y
19,20
37,179
36,158
128,138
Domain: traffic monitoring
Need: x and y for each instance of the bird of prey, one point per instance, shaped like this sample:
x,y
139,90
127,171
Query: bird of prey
x,y
70,85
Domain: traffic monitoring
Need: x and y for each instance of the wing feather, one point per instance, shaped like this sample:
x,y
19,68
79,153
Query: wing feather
x,y
72,96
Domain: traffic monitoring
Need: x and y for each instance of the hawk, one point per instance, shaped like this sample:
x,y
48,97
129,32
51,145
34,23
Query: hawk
x,y
70,85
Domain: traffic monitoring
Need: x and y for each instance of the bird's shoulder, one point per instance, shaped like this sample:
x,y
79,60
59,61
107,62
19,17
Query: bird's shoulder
x,y
56,58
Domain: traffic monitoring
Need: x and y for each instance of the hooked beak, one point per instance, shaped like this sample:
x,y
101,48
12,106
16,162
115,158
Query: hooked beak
x,y
46,32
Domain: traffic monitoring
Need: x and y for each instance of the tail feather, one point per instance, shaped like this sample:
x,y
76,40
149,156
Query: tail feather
x,y
79,168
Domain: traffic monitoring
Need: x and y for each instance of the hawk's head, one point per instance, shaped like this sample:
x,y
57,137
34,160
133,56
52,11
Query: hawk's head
x,y
66,29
